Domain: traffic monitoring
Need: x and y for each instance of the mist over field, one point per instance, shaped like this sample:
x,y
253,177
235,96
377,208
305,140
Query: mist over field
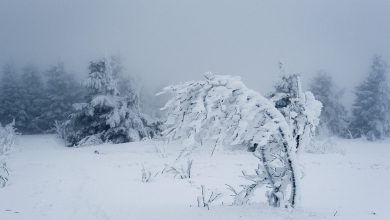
x,y
170,41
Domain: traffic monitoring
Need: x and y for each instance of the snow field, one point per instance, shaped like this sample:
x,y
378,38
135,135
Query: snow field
x,y
50,181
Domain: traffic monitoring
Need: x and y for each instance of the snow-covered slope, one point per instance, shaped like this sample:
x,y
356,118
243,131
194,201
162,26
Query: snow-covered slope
x,y
50,181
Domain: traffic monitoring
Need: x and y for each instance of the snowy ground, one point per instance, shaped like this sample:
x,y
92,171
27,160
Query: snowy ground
x,y
49,181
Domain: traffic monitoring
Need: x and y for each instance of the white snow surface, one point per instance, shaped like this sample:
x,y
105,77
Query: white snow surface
x,y
50,181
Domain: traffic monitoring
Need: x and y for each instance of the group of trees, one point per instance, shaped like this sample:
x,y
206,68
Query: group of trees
x,y
221,110
105,107
217,111
34,99
38,99
370,116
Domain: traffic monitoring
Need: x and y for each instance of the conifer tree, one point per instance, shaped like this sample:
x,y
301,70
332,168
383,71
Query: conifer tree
x,y
334,116
10,97
107,116
33,101
61,92
372,104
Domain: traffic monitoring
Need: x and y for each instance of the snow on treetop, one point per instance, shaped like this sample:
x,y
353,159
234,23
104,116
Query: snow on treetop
x,y
221,107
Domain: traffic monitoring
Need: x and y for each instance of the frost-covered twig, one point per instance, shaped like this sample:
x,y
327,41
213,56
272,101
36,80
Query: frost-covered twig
x,y
3,174
7,138
182,172
205,200
185,152
241,197
7,141
147,176
59,128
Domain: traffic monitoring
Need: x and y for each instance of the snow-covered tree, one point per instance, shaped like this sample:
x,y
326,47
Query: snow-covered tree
x,y
33,101
61,92
11,106
300,109
371,117
334,116
107,116
221,110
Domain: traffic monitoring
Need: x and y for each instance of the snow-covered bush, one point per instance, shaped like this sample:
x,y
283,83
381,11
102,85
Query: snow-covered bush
x,y
7,137
301,109
221,110
108,116
7,141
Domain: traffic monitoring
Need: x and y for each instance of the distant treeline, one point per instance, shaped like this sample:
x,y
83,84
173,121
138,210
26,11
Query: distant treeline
x,y
36,99
370,113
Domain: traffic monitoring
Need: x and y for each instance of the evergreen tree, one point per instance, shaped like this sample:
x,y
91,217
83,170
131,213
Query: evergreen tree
x,y
61,92
106,116
10,97
371,107
33,101
334,116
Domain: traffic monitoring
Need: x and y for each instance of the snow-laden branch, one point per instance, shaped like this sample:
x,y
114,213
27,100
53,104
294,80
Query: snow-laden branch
x,y
300,109
222,110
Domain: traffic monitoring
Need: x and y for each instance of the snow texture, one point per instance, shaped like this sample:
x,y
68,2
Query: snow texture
x,y
50,181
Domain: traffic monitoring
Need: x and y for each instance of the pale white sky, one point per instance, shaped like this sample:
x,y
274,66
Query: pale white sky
x,y
167,41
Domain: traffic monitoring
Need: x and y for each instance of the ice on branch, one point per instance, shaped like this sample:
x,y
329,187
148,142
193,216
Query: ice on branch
x,y
221,110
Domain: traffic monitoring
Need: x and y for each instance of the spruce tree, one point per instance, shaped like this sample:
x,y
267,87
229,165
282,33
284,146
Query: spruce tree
x,y
371,106
107,116
334,116
10,97
61,92
32,101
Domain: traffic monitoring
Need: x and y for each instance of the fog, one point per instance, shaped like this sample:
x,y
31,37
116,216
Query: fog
x,y
167,41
